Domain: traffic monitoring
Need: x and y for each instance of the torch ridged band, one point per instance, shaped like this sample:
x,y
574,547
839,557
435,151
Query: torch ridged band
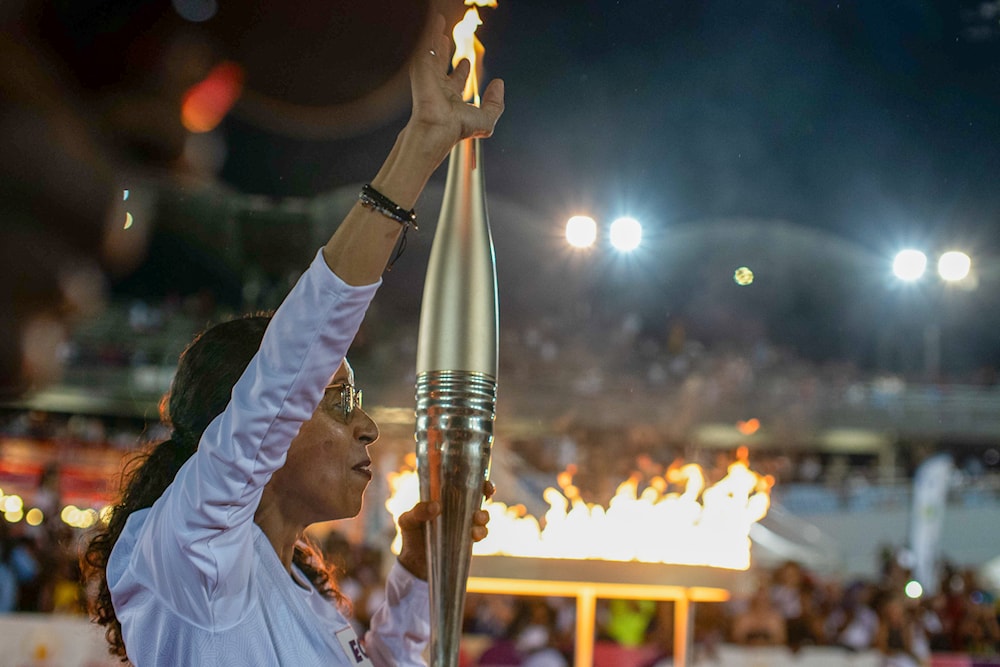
x,y
467,395
455,412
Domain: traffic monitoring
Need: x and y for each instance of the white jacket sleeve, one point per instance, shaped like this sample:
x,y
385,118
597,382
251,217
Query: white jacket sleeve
x,y
197,543
400,628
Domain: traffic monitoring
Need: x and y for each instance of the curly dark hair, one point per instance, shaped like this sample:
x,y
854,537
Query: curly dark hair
x,y
206,373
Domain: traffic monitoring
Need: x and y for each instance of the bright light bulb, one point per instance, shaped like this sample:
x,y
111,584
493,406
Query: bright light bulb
x,y
954,265
909,264
581,231
626,234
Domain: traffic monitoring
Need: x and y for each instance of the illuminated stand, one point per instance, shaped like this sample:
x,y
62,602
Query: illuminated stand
x,y
587,580
686,547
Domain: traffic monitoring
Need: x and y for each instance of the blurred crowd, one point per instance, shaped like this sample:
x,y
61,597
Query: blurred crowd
x,y
39,562
789,607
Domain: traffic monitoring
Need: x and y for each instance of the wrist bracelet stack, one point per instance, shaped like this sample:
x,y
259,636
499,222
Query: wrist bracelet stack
x,y
376,201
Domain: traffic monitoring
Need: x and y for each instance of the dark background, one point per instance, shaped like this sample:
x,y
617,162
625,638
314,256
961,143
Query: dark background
x,y
807,140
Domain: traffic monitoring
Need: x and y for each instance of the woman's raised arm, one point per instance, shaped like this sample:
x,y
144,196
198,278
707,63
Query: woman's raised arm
x,y
360,248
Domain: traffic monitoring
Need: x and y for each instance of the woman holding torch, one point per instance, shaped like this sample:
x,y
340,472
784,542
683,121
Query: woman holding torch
x,y
203,561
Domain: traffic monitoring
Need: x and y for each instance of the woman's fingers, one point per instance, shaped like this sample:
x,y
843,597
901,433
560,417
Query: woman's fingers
x,y
479,521
421,513
492,100
459,76
481,120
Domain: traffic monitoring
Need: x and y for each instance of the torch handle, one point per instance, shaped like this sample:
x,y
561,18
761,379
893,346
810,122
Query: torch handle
x,y
455,412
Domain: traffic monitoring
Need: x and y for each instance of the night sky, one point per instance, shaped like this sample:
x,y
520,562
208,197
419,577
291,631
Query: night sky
x,y
857,117
874,124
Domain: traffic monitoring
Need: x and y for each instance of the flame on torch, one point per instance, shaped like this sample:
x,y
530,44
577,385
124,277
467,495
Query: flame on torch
x,y
468,46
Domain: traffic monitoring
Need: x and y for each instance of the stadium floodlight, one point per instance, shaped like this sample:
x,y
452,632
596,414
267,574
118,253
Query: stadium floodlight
x,y
581,231
626,234
954,266
909,265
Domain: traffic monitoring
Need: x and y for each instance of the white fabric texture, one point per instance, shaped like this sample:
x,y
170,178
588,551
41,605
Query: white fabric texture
x,y
194,580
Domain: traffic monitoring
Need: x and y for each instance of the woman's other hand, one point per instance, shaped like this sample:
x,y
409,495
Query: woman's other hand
x,y
412,526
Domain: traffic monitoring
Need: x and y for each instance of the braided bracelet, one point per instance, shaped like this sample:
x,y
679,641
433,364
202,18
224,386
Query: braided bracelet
x,y
376,201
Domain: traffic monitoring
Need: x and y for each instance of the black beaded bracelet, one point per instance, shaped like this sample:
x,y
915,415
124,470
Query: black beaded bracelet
x,y
376,201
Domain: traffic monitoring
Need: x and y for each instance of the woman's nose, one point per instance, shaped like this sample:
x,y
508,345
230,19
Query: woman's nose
x,y
365,427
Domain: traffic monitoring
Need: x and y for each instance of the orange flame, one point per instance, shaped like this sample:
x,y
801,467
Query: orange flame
x,y
468,46
654,526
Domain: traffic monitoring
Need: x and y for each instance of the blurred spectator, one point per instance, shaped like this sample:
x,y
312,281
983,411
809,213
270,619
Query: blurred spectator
x,y
899,638
629,620
489,615
761,623
18,566
930,615
976,629
854,624
793,597
810,468
67,587
531,640
536,638
503,652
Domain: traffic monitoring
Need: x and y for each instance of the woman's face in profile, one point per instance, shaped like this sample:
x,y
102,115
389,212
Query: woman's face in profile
x,y
328,467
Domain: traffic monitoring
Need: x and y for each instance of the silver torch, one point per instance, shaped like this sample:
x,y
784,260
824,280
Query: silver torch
x,y
456,389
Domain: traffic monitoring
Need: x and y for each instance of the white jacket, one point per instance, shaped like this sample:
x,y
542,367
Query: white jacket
x,y
193,579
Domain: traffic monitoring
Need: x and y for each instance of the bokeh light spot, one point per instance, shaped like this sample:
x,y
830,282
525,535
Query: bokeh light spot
x,y
196,11
13,504
69,514
207,102
743,276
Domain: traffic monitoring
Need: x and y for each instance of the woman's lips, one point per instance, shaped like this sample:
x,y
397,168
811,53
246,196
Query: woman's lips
x,y
364,468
